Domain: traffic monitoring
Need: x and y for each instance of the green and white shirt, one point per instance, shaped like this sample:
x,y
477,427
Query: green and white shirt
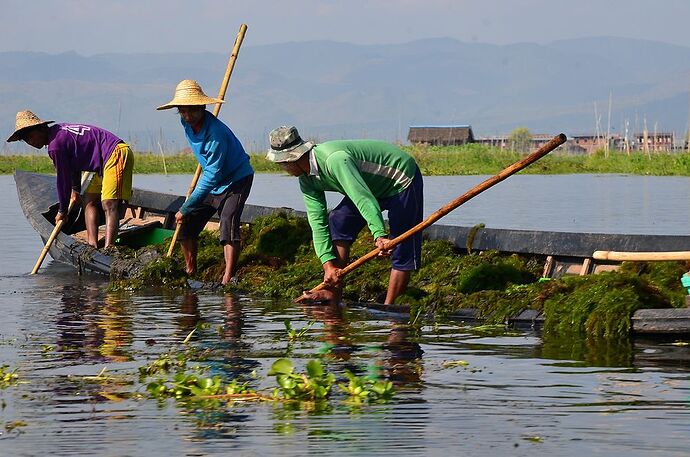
x,y
363,170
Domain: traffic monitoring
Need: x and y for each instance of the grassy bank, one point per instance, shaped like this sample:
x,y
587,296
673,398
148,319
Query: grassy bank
x,y
462,160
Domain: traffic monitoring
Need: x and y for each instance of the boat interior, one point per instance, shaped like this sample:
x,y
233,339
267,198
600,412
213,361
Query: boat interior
x,y
138,226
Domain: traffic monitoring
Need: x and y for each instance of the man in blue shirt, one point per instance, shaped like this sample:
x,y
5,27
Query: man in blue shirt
x,y
224,184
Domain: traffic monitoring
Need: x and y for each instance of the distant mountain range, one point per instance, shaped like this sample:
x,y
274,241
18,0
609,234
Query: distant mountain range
x,y
339,90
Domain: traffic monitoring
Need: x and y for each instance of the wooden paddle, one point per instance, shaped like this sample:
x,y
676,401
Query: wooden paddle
x,y
86,177
216,111
476,190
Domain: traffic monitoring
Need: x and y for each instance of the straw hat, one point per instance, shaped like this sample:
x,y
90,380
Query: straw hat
x,y
287,145
188,93
25,119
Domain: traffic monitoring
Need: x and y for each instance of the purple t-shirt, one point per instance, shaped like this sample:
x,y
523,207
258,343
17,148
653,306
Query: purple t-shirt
x,y
75,148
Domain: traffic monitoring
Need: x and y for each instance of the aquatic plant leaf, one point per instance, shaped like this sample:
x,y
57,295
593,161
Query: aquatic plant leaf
x,y
205,383
326,348
315,369
281,367
286,382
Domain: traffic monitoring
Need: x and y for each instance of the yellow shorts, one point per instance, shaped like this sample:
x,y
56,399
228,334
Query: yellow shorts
x,y
116,182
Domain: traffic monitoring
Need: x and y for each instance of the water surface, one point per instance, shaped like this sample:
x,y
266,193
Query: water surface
x,y
564,203
517,395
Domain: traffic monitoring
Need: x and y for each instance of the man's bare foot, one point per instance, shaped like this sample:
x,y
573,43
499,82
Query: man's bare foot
x,y
232,281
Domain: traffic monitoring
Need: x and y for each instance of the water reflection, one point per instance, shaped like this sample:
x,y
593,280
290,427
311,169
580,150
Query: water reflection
x,y
337,333
612,352
235,356
400,356
116,323
233,322
634,352
94,325
223,352
189,315
404,364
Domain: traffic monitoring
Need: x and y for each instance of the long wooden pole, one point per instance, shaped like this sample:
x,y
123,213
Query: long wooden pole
x,y
58,227
221,94
476,190
621,256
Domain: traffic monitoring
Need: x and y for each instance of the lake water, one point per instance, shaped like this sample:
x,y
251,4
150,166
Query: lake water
x,y
565,203
517,395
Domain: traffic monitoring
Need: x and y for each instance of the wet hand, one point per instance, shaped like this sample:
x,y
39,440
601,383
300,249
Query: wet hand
x,y
381,243
331,274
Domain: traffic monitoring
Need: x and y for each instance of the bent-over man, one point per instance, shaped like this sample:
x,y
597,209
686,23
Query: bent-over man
x,y
75,148
374,176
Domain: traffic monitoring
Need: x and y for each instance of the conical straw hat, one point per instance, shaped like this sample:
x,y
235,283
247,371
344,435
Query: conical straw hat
x,y
188,93
25,119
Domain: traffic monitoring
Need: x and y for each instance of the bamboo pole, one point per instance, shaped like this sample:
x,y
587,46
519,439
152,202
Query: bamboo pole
x,y
58,227
221,95
656,256
476,190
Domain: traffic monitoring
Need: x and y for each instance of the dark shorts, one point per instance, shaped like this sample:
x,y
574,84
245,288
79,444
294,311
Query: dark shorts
x,y
228,206
405,210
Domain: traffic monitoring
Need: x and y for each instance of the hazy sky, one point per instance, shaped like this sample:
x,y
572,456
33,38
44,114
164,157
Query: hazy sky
x,y
94,26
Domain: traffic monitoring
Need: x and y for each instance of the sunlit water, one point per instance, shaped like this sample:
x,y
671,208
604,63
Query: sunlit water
x,y
517,395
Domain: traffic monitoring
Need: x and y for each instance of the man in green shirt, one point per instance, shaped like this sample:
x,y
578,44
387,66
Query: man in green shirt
x,y
374,176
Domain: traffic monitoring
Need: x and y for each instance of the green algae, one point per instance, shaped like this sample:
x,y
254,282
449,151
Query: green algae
x,y
144,267
278,238
599,305
278,261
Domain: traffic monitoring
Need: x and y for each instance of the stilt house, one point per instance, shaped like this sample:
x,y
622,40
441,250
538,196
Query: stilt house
x,y
440,135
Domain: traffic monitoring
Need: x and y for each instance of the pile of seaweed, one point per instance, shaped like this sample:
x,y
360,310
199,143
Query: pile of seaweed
x,y
145,267
278,261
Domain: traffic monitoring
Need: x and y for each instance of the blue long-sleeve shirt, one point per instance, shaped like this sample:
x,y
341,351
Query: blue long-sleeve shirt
x,y
221,156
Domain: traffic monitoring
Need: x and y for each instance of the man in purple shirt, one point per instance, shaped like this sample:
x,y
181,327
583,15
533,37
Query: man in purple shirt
x,y
75,148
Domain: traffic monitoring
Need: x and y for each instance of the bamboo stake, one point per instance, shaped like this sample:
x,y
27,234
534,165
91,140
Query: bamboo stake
x,y
216,111
476,190
58,227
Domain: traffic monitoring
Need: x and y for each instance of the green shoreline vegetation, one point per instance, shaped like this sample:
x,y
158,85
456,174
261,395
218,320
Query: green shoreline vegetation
x,y
471,159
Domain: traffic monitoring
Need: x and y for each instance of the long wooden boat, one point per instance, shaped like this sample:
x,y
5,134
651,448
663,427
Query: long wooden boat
x,y
150,218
